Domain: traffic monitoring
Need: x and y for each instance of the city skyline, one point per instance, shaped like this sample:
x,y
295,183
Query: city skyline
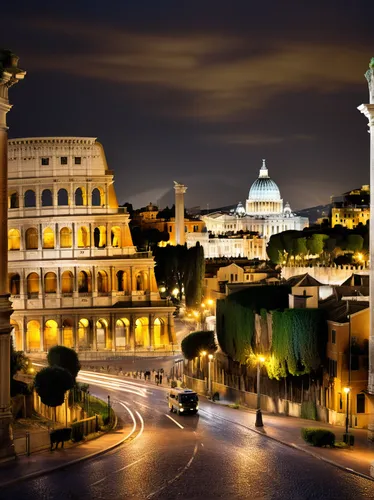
x,y
200,94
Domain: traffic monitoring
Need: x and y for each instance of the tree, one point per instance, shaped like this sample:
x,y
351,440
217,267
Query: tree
x,y
51,383
275,249
194,343
354,243
315,243
170,266
66,358
194,275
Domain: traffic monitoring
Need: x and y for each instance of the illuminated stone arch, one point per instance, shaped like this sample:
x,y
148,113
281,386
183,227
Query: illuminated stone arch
x,y
80,196
50,334
33,335
47,198
97,197
102,334
122,333
32,239
14,283
160,335
116,237
67,332
141,279
122,281
84,332
67,282
50,283
102,282
48,238
16,335
13,199
83,237
14,239
29,199
100,237
62,197
84,282
66,240
142,332
32,282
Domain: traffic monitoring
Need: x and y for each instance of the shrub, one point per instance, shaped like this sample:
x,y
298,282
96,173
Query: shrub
x,y
65,358
173,384
77,432
51,383
309,410
196,342
318,437
215,396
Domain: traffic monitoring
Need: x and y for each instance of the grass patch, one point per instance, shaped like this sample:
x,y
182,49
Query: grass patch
x,y
341,445
235,406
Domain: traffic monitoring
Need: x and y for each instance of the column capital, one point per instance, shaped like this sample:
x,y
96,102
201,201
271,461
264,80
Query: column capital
x,y
368,111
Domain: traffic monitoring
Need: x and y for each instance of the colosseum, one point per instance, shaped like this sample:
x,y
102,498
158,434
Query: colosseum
x,y
75,277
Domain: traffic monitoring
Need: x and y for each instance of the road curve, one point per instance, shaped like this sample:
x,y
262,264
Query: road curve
x,y
197,456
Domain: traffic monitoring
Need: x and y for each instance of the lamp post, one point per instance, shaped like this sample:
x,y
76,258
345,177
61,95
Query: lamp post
x,y
347,390
259,423
202,354
210,358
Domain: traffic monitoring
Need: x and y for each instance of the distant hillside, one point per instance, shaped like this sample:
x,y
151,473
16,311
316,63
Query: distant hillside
x,y
314,213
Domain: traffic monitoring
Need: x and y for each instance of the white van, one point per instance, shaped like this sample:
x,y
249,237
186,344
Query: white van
x,y
183,401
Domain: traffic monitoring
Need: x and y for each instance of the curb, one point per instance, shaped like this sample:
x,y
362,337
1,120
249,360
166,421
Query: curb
x,y
36,474
304,450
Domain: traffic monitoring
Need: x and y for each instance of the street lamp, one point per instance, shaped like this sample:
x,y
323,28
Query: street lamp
x,y
210,358
259,423
347,390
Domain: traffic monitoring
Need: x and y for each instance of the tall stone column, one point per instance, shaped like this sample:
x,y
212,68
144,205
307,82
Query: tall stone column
x,y
9,75
180,189
368,111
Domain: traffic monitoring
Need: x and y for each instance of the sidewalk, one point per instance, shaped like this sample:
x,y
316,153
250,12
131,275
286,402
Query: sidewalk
x,y
24,467
287,430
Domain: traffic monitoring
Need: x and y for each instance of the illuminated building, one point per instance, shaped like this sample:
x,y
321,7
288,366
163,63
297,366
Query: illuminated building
x,y
264,212
75,277
352,208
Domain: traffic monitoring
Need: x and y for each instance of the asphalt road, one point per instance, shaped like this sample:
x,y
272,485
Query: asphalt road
x,y
205,456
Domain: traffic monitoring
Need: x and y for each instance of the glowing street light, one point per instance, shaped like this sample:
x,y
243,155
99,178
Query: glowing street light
x,y
260,361
210,358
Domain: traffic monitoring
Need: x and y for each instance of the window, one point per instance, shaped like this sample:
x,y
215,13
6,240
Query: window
x,y
77,160
64,160
333,368
355,362
45,161
170,229
333,336
360,403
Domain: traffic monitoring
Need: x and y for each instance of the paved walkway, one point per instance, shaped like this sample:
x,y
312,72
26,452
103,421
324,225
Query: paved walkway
x,y
42,462
288,431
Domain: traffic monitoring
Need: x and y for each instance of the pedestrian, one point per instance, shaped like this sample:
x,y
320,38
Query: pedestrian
x,y
156,378
160,378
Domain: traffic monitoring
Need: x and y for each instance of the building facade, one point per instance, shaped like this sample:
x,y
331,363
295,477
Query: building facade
x,y
75,277
352,208
263,213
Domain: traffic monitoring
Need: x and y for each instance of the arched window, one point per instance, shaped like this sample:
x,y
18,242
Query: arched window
x,y
83,237
30,198
67,333
122,283
32,239
83,332
96,198
122,333
50,283
14,284
14,239
102,282
48,238
102,337
13,200
80,197
100,237
65,238
142,332
50,334
33,284
67,282
47,198
84,282
33,335
62,197
116,236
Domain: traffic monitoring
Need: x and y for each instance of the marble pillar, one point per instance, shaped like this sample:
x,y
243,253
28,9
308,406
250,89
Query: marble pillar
x,y
180,189
368,111
9,75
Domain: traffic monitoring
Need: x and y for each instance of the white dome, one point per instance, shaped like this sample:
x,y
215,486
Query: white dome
x,y
264,188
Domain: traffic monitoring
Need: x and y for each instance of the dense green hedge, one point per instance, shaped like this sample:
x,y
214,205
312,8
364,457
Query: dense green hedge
x,y
318,437
268,297
298,342
235,328
196,342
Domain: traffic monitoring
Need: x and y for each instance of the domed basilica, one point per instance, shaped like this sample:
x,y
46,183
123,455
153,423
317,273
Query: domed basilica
x,y
263,213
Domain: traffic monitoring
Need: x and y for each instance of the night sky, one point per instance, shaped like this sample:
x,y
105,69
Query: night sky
x,y
200,92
